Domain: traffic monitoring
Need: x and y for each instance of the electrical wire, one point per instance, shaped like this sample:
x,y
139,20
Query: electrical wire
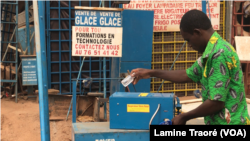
x,y
134,87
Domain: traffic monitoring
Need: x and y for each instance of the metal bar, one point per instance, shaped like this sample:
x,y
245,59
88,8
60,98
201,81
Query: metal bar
x,y
9,61
39,19
103,78
60,46
204,6
104,85
9,81
8,22
9,42
48,43
70,53
73,61
74,103
60,29
8,3
65,82
16,84
27,26
66,72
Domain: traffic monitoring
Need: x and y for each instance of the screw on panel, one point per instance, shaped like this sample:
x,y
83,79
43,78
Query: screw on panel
x,y
165,110
117,103
117,114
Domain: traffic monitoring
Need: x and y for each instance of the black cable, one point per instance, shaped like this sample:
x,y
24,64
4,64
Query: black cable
x,y
134,87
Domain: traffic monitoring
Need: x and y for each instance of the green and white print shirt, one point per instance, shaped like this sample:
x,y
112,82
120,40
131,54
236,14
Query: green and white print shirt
x,y
219,72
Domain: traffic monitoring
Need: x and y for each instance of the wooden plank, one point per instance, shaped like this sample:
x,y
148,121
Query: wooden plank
x,y
56,118
95,94
27,56
1,121
98,8
14,48
103,99
96,116
50,91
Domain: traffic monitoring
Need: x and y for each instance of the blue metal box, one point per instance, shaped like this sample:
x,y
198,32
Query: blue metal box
x,y
100,131
135,110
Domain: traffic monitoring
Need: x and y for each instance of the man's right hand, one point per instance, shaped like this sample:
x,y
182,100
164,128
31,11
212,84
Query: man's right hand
x,y
140,73
176,76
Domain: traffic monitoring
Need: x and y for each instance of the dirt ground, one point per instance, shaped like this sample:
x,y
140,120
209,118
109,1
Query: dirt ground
x,y
20,122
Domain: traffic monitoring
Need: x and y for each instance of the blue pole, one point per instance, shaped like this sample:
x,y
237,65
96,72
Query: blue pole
x,y
39,19
27,26
104,85
204,6
74,102
30,91
16,85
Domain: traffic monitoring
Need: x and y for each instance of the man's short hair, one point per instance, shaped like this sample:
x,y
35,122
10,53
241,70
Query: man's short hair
x,y
195,19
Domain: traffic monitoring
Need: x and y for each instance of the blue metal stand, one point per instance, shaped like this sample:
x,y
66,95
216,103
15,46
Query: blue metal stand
x,y
9,42
39,20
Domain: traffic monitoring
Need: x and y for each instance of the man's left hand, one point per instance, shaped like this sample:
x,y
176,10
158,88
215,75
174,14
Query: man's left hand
x,y
179,120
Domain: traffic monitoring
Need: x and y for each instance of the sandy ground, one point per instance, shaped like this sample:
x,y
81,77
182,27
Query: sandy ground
x,y
20,122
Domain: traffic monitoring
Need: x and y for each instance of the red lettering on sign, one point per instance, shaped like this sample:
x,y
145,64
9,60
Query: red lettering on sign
x,y
76,46
175,22
160,28
216,27
95,29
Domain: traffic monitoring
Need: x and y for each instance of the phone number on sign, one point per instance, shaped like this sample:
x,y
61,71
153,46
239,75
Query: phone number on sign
x,y
97,52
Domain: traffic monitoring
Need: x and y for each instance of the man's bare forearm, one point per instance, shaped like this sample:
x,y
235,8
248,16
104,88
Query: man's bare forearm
x,y
207,108
176,76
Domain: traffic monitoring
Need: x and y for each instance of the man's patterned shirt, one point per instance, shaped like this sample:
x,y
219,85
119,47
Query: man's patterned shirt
x,y
219,72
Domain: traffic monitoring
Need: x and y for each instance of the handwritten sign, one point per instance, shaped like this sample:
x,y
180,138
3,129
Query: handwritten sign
x,y
29,71
168,13
97,41
98,18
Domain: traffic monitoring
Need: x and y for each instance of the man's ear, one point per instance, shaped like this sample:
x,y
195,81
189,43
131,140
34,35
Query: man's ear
x,y
197,31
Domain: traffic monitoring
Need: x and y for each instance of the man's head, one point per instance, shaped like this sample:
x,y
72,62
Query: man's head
x,y
196,29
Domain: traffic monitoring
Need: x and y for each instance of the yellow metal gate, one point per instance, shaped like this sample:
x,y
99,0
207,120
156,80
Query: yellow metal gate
x,y
166,46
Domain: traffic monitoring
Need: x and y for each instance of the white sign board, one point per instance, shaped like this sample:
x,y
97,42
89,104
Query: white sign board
x,y
97,41
243,47
168,13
